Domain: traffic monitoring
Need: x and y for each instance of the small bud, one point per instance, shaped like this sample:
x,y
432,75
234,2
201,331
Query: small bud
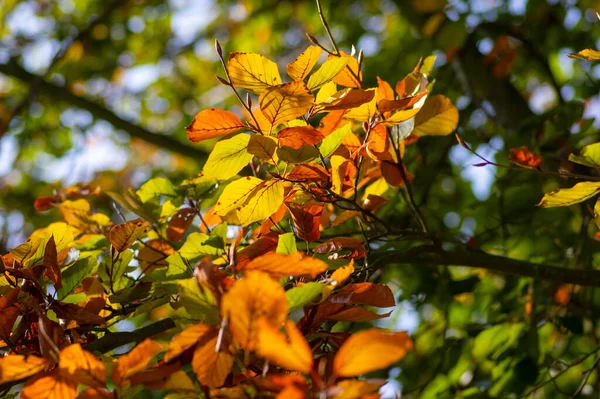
x,y
220,79
218,48
312,39
360,57
462,142
248,100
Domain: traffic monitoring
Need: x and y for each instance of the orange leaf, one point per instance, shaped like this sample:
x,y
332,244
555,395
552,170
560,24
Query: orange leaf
x,y
370,350
522,156
347,99
296,137
339,243
255,296
393,174
307,221
394,105
349,76
212,367
281,104
179,224
153,254
82,366
122,236
263,245
136,360
378,139
292,353
331,122
212,122
353,389
341,312
301,66
50,385
186,339
282,265
17,367
370,294
384,91
308,172
45,203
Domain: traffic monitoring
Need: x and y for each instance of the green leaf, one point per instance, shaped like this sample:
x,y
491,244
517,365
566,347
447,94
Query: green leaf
x,y
134,204
228,157
327,71
75,274
197,246
198,301
589,156
112,272
177,268
494,341
286,244
130,294
569,196
299,296
155,188
334,140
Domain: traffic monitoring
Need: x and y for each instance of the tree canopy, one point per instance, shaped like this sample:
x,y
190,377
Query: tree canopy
x,y
299,199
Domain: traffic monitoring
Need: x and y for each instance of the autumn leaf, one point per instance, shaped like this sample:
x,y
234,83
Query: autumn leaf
x,y
347,99
255,296
292,352
570,196
228,157
296,137
522,156
350,76
589,156
371,294
587,55
134,361
307,221
326,72
342,312
253,72
263,147
179,223
393,174
50,385
282,265
82,366
187,339
338,277
122,236
212,122
281,104
353,389
331,121
437,117
52,270
212,361
370,350
42,204
17,367
308,172
301,66
340,243
364,112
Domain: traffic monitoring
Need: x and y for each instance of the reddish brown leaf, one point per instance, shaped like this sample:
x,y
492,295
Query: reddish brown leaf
x,y
378,295
340,243
522,156
393,174
308,172
70,311
298,136
8,316
307,220
179,224
341,312
9,298
153,254
261,246
373,202
122,236
51,338
42,204
350,99
52,270
403,103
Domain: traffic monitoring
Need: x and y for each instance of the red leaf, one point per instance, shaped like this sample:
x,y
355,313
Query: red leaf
x,y
298,136
337,244
51,263
378,295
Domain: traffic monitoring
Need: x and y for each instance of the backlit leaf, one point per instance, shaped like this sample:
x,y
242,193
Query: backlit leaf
x,y
286,244
280,265
228,157
213,122
347,99
589,156
334,140
253,297
261,203
354,389
198,300
197,245
364,112
122,236
301,66
155,188
187,339
179,224
292,352
379,295
400,116
303,294
587,54
437,117
134,361
569,196
308,172
211,366
522,156
253,72
281,104
82,366
52,269
296,137
17,367
50,385
350,76
370,350
307,221
326,72
263,147
235,194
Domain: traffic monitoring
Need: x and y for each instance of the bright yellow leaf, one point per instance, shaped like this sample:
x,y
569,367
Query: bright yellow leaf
x,y
301,66
337,278
438,117
228,157
261,203
212,122
587,54
292,352
370,350
569,196
281,104
400,116
263,147
364,112
330,69
250,299
17,367
254,72
282,265
327,90
235,194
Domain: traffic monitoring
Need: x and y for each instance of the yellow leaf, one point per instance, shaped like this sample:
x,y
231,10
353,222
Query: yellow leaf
x,y
569,196
235,194
326,91
254,72
353,389
211,123
301,66
253,297
186,339
17,367
263,147
400,117
587,54
282,265
122,236
330,69
228,157
261,203
292,353
50,385
370,350
364,112
349,76
281,104
338,172
82,366
212,367
438,117
136,360
337,278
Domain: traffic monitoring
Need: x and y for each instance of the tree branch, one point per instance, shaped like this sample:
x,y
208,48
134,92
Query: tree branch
x,y
427,254
13,69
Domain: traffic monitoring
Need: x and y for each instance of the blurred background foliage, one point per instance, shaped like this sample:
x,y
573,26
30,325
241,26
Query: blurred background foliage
x,y
99,93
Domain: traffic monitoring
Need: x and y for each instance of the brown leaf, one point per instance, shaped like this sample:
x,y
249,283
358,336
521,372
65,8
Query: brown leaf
x,y
9,298
261,246
341,312
179,224
393,174
52,270
8,316
51,338
42,204
307,220
378,295
122,236
339,243
308,172
298,136
70,311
